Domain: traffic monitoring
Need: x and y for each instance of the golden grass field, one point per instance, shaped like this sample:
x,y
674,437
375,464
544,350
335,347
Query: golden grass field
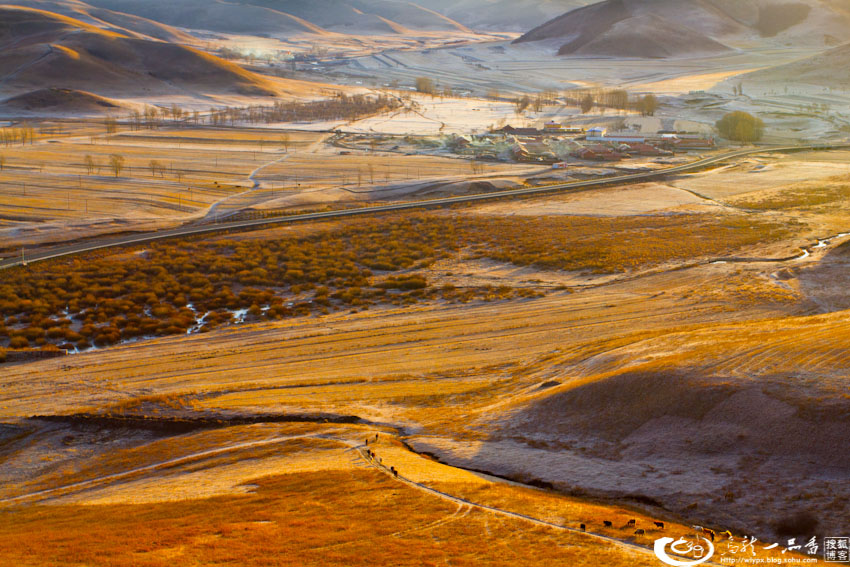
x,y
63,180
637,381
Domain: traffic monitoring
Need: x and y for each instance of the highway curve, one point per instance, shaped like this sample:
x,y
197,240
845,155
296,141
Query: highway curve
x,y
191,230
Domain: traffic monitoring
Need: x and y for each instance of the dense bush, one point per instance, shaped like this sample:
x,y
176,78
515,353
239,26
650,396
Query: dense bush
x,y
741,127
175,287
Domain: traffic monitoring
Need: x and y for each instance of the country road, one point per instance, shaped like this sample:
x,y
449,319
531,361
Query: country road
x,y
191,230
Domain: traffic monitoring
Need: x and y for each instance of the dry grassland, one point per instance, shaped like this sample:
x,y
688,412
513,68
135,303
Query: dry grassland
x,y
729,362
342,518
173,287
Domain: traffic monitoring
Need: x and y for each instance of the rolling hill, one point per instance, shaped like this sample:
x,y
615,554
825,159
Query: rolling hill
x,y
829,69
125,24
664,28
502,15
60,100
39,48
287,17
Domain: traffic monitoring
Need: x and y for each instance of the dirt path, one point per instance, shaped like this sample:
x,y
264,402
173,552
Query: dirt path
x,y
505,513
213,213
156,466
464,506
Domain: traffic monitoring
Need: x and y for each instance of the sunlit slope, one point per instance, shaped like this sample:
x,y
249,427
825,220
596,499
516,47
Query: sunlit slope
x,y
125,24
286,18
42,48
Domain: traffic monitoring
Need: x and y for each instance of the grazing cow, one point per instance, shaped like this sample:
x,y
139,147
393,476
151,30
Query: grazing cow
x,y
631,523
727,533
608,524
367,441
659,525
711,533
582,527
697,528
639,532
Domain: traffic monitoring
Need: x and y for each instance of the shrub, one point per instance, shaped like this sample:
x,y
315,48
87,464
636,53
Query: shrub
x,y
741,127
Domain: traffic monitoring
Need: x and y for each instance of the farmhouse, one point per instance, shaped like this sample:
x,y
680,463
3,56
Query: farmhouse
x,y
616,137
510,130
553,127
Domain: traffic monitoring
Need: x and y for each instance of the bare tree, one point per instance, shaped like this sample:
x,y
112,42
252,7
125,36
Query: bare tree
x,y
116,163
425,85
89,163
156,167
2,162
648,105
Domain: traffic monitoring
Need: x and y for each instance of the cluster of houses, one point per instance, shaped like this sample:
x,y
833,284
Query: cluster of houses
x,y
596,144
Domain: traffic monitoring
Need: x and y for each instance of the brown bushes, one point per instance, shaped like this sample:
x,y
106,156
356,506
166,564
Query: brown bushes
x,y
368,261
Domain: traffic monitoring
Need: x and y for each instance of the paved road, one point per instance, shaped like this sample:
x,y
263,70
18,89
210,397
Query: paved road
x,y
190,230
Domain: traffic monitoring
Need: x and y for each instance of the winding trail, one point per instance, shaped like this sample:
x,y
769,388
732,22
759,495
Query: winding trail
x,y
156,466
213,214
464,506
507,513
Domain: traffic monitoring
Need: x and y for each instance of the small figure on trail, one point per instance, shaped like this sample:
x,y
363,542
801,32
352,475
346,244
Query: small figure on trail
x,y
367,441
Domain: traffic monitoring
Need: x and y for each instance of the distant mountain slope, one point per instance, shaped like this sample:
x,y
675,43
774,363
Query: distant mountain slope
x,y
60,100
213,15
633,25
829,69
125,24
286,17
502,15
645,36
40,49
